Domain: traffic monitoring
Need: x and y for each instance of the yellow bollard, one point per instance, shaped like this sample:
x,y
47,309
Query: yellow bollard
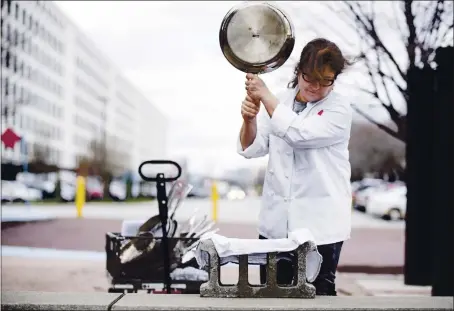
x,y
214,200
80,195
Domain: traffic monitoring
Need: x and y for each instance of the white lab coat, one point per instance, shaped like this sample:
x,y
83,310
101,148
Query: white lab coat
x,y
307,183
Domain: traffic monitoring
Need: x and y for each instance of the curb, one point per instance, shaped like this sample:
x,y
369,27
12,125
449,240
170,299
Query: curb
x,y
371,269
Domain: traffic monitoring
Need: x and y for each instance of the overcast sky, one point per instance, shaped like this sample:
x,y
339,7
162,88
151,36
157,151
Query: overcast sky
x,y
170,51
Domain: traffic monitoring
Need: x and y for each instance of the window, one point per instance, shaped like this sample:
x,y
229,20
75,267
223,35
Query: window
x,y
15,38
22,42
6,86
7,58
15,61
17,11
13,91
8,33
24,17
8,6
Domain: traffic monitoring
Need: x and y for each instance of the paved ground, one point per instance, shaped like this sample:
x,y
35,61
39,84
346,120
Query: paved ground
x,y
376,245
240,211
369,250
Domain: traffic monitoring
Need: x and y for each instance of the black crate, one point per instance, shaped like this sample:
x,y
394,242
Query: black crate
x,y
143,273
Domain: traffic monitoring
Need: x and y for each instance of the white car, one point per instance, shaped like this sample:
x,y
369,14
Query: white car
x,y
390,204
14,191
67,191
362,196
235,193
117,190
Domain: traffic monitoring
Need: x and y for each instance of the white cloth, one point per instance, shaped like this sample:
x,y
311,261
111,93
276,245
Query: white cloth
x,y
189,274
307,182
130,227
229,249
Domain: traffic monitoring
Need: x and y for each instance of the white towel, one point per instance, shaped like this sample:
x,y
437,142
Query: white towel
x,y
229,249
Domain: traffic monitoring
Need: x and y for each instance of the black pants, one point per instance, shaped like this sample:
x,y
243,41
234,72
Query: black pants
x,y
325,281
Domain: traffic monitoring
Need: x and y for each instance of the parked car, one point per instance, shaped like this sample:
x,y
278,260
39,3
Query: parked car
x,y
67,191
362,195
14,191
235,193
117,190
390,204
95,188
43,182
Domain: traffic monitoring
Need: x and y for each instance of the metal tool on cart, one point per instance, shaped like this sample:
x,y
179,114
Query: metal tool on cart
x,y
144,259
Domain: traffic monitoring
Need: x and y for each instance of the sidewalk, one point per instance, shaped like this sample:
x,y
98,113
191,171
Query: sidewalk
x,y
68,275
24,214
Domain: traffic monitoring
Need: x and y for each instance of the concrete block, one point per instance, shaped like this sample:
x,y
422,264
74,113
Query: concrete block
x,y
214,288
56,301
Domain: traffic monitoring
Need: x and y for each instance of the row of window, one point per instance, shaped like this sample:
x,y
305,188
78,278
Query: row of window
x,y
85,124
44,105
39,128
81,84
14,9
35,76
89,71
30,150
15,39
24,96
88,107
45,7
81,45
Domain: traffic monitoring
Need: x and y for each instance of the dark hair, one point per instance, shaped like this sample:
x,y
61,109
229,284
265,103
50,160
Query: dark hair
x,y
317,54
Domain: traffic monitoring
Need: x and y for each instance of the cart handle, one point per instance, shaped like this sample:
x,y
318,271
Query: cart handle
x,y
159,174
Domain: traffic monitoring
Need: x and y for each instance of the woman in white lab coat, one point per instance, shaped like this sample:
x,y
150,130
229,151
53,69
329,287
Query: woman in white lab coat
x,y
305,131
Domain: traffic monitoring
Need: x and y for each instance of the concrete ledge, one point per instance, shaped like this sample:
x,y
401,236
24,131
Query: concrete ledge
x,y
105,301
57,301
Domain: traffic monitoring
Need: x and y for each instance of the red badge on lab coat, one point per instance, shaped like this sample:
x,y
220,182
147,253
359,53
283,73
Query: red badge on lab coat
x,y
320,112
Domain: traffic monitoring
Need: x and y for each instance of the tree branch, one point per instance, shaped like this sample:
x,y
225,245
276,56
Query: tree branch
x,y
379,125
372,33
412,39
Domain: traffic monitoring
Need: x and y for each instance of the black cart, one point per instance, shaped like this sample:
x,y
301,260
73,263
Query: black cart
x,y
145,274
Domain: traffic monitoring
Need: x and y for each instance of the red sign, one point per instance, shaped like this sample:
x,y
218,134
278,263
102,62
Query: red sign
x,y
9,138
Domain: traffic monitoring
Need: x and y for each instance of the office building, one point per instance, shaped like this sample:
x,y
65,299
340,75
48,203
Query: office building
x,y
61,94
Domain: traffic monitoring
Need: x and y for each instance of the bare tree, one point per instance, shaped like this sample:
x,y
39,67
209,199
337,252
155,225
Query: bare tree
x,y
373,151
417,27
104,160
40,154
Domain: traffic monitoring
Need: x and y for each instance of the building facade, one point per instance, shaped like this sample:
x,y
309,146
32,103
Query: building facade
x,y
65,98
